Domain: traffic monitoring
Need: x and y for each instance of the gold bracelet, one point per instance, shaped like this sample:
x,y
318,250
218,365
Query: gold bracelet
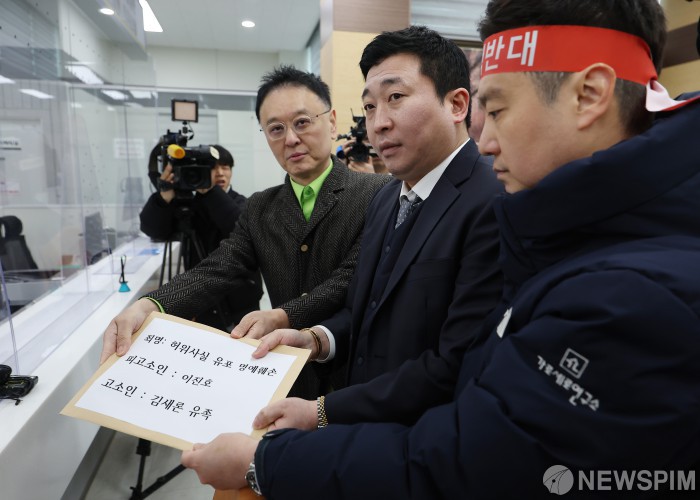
x,y
321,412
317,341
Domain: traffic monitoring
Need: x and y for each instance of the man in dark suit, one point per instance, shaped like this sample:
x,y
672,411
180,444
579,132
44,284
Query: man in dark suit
x,y
303,235
427,274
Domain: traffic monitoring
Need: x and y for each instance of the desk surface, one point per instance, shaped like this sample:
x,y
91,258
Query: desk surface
x,y
40,450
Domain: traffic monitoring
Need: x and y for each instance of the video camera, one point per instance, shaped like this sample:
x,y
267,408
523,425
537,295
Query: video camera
x,y
191,165
359,151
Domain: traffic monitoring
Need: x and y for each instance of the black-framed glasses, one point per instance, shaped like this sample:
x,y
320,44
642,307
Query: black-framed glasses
x,y
301,125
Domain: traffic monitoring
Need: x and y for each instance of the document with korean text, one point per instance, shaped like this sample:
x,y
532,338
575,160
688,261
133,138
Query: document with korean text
x,y
183,383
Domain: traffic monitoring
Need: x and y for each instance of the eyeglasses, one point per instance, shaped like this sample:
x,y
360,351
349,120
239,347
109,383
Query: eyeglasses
x,y
301,125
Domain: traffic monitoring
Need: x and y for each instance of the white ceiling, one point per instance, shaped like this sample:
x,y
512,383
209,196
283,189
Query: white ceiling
x,y
216,24
455,19
284,24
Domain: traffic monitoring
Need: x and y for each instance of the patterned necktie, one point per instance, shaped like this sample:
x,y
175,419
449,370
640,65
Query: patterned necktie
x,y
405,208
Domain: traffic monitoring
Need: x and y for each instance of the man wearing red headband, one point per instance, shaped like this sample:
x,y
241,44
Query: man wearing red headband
x,y
589,380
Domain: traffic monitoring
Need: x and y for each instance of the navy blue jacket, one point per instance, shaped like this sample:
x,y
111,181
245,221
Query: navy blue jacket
x,y
595,364
404,344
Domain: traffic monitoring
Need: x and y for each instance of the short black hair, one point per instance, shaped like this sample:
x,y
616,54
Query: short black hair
x,y
642,18
441,60
225,157
287,75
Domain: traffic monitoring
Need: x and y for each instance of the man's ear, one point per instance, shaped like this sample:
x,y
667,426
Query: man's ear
x,y
595,91
458,102
334,131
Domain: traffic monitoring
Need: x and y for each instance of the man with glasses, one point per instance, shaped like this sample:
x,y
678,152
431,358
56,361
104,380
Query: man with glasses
x,y
303,235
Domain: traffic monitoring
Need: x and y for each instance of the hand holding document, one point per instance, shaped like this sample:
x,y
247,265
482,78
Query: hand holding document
x,y
183,383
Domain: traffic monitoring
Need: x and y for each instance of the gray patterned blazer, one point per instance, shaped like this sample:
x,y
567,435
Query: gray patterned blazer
x,y
307,266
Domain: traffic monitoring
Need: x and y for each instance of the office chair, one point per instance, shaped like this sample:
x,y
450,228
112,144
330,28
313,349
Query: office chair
x,y
14,252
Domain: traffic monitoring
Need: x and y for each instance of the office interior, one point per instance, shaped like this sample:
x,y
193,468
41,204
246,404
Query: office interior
x,y
84,97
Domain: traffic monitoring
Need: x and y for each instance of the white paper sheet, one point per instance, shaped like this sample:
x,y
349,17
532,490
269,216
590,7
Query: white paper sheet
x,y
187,383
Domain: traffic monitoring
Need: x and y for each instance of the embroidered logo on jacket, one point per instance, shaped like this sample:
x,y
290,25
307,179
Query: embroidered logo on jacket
x,y
573,363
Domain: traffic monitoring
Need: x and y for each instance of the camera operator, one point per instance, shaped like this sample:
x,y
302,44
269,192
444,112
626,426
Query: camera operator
x,y
373,164
211,214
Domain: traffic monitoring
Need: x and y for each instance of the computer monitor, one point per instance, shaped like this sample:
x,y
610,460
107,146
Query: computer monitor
x,y
96,245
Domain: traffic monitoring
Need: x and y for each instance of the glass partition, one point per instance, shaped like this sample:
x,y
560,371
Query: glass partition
x,y
75,135
68,194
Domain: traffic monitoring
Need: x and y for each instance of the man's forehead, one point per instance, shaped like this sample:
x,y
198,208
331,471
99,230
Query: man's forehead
x,y
503,86
494,87
386,81
398,69
286,101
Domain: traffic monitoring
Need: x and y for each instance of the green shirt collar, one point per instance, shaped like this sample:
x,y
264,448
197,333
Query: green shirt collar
x,y
316,184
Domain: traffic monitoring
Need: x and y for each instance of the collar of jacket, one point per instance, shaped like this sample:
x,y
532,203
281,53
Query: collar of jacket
x,y
642,187
336,178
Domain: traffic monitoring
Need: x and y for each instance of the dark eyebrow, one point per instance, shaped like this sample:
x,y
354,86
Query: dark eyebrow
x,y
384,83
491,93
274,119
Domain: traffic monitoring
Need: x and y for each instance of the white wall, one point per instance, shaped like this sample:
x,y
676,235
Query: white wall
x,y
216,69
209,69
255,166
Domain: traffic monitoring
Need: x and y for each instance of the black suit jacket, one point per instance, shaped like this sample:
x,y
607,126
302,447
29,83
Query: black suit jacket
x,y
306,266
445,282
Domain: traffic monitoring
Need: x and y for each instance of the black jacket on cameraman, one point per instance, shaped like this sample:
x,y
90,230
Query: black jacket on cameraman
x,y
208,218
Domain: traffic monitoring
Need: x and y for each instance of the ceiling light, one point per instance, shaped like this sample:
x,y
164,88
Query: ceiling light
x,y
150,23
36,93
106,11
116,95
248,24
4,79
84,74
141,94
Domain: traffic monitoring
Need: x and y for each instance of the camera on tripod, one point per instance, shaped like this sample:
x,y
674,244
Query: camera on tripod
x,y
191,165
359,151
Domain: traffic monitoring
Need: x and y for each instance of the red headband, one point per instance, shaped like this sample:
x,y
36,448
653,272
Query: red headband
x,y
569,49
574,48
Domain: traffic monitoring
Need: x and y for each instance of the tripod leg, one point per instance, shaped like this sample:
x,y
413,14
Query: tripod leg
x,y
201,255
167,249
143,449
162,480
137,492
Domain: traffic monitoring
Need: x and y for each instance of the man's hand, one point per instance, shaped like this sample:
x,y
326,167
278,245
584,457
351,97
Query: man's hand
x,y
167,178
223,462
364,167
256,324
290,412
206,190
286,336
117,336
